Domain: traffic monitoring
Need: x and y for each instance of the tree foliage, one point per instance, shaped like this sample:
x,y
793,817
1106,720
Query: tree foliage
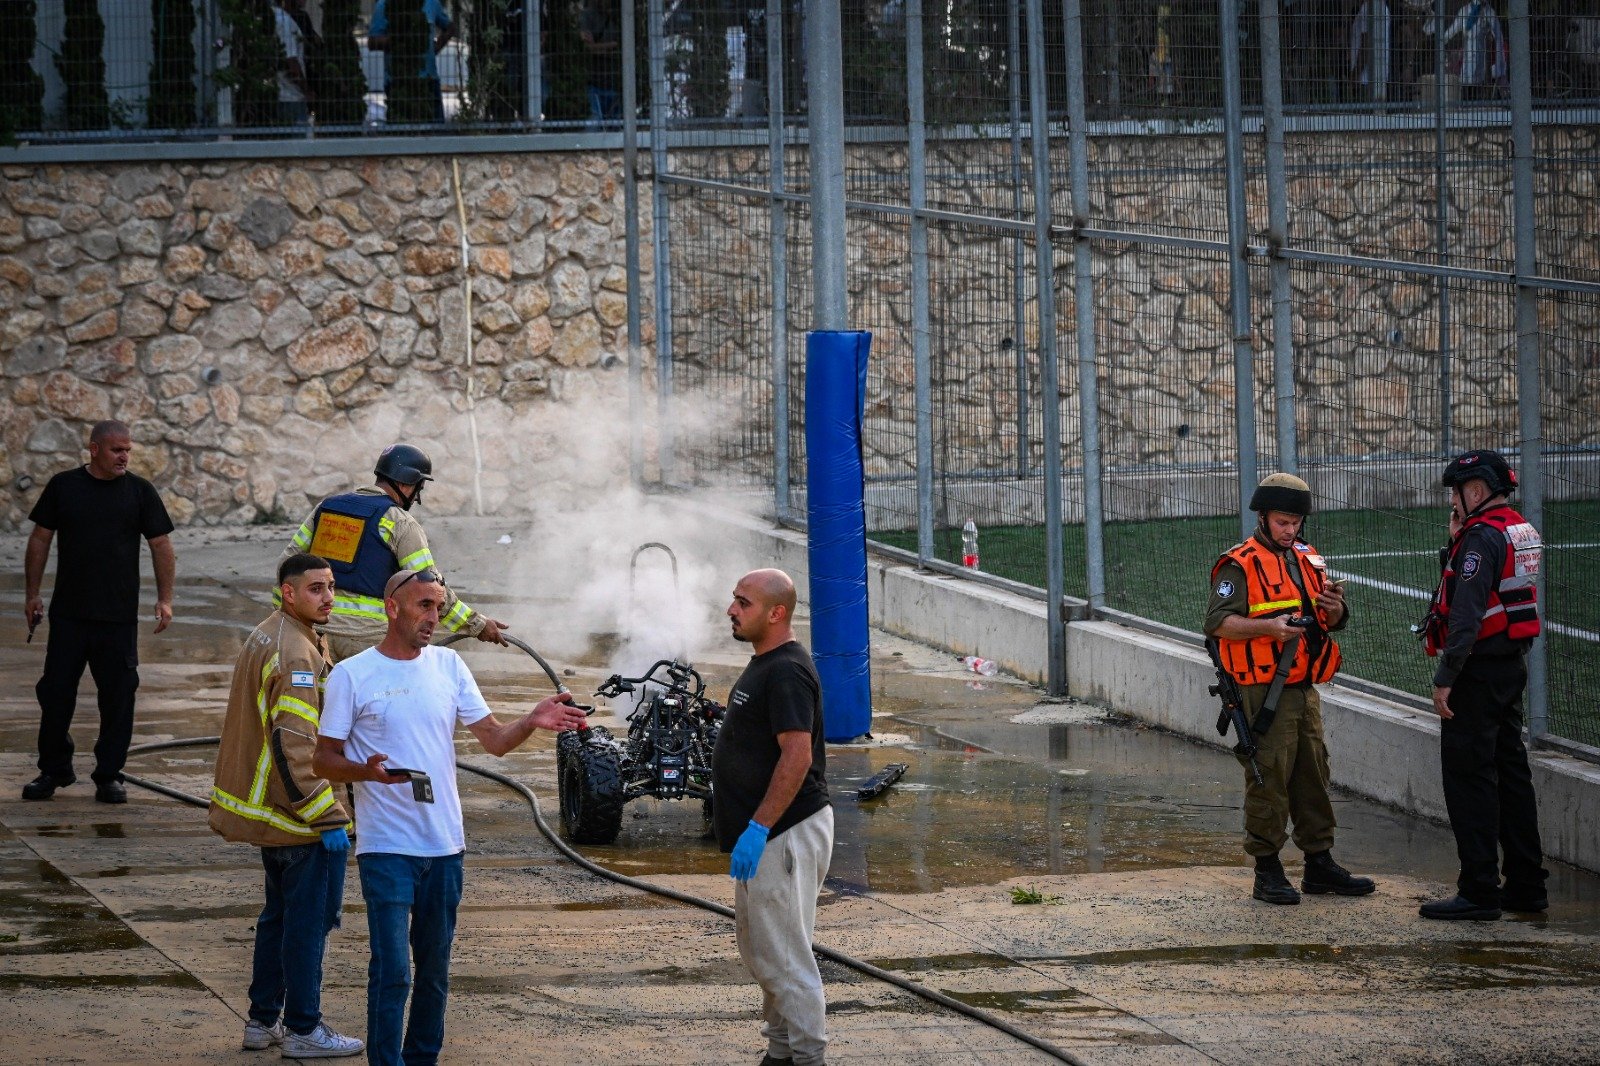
x,y
82,64
411,95
21,87
172,64
253,57
339,82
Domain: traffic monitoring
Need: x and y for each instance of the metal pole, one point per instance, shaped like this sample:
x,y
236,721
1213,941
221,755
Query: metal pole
x,y
1441,226
1238,269
1083,301
1019,297
659,236
825,119
1278,239
921,328
1529,394
630,200
1049,377
533,106
779,216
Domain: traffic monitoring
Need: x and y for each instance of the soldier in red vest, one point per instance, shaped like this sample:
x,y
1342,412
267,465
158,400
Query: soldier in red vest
x,y
1484,617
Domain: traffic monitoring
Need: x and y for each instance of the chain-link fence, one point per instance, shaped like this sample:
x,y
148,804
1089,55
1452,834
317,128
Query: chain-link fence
x,y
1312,206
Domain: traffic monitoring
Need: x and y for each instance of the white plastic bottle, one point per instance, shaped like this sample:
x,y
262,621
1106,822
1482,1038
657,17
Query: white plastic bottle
x,y
986,667
969,545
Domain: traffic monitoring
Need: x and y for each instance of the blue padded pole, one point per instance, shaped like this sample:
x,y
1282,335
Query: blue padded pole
x,y
836,389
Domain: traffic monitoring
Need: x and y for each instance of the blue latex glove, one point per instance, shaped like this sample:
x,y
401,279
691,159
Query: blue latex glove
x,y
747,852
336,840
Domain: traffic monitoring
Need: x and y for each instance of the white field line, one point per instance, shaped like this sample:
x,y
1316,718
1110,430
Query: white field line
x,y
1425,596
1434,551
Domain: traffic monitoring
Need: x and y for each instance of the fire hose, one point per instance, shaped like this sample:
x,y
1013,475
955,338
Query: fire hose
x,y
849,961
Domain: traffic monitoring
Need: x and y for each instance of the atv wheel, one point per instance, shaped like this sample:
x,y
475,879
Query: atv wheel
x,y
591,794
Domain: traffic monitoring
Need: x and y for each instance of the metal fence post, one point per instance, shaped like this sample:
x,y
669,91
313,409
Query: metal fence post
x,y
779,223
1529,388
1238,268
1019,249
1278,239
533,103
661,223
1083,303
1049,371
630,199
825,121
1441,226
921,328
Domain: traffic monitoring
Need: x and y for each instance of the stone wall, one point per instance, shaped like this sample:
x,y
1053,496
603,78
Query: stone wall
x,y
266,328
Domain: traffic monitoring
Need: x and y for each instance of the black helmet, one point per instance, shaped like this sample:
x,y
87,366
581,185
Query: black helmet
x,y
404,465
1484,463
1282,492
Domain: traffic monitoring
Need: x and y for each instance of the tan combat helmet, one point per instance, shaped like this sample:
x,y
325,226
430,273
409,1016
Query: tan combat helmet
x,y
1282,492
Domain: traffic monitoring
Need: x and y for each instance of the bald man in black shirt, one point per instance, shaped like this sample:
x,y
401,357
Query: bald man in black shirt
x,y
99,511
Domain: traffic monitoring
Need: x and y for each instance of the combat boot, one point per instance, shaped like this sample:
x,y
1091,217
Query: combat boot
x,y
1271,884
1324,876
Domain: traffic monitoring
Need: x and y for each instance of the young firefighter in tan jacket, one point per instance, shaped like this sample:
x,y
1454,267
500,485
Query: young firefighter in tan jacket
x,y
266,794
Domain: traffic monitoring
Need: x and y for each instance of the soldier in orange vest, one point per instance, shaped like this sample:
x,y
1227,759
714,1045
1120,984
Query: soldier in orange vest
x,y
1484,617
1273,611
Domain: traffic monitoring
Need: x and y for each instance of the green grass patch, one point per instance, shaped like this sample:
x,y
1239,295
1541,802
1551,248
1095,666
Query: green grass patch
x,y
1161,569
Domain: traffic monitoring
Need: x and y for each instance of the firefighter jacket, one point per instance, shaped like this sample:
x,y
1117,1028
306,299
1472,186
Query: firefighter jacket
x,y
1486,602
265,792
366,539
1270,588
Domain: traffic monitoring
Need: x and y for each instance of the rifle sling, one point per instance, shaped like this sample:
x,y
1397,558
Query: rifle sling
x,y
1269,706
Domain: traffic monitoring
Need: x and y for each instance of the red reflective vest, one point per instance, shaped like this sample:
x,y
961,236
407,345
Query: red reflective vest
x,y
1513,606
1270,591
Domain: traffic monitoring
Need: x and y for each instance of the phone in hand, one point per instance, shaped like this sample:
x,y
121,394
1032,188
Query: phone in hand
x,y
421,783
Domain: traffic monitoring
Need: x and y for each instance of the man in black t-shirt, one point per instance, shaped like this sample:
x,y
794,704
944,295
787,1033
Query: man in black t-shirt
x,y
100,510
768,774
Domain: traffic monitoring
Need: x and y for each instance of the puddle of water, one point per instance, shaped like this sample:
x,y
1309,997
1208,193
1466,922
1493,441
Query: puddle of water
x,y
976,960
50,915
1051,1000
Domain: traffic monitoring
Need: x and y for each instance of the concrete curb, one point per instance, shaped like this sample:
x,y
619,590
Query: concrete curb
x,y
1377,748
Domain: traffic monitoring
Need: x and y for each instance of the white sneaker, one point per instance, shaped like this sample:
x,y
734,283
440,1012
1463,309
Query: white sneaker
x,y
258,1037
321,1043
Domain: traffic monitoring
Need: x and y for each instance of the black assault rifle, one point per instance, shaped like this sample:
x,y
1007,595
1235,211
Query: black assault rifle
x,y
1227,690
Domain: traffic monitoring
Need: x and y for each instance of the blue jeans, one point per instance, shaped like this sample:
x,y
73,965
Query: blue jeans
x,y
305,889
409,901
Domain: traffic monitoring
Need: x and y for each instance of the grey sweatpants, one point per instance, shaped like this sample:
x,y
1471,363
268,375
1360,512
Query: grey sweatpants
x,y
775,912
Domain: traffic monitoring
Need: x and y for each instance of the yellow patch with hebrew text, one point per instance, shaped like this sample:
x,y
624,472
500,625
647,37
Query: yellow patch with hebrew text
x,y
337,537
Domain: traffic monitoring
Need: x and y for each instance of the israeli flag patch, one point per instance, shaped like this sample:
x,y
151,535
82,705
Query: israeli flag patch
x,y
303,679
1225,589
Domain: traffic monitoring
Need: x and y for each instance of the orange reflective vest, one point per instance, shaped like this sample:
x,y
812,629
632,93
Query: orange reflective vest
x,y
1271,591
1513,606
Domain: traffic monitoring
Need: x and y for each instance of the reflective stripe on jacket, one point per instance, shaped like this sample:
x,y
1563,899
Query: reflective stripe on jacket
x,y
1271,591
1513,603
358,607
265,792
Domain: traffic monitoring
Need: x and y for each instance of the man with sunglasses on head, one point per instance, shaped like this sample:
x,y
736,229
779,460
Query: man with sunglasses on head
x,y
367,536
389,719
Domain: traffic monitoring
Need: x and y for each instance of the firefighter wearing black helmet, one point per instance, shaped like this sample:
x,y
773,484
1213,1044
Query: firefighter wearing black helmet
x,y
368,535
1273,611
1483,618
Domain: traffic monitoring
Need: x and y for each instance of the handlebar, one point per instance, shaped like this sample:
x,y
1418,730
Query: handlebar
x,y
679,673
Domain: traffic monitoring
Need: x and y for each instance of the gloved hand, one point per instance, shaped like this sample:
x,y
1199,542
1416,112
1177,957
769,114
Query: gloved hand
x,y
747,852
336,840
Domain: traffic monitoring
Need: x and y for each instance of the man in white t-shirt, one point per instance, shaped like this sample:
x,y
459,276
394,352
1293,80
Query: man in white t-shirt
x,y
395,707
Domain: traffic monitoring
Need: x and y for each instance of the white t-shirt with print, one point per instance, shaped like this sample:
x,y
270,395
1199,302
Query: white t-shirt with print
x,y
407,709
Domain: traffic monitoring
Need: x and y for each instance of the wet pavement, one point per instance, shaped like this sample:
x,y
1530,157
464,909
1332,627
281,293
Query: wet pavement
x,y
125,933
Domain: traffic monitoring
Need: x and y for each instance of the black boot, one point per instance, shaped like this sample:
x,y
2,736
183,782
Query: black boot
x,y
1324,876
1271,885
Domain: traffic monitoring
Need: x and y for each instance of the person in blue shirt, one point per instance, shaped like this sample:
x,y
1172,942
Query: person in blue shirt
x,y
444,31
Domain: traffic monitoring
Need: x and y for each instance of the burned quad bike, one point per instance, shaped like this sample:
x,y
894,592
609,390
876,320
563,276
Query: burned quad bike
x,y
672,730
